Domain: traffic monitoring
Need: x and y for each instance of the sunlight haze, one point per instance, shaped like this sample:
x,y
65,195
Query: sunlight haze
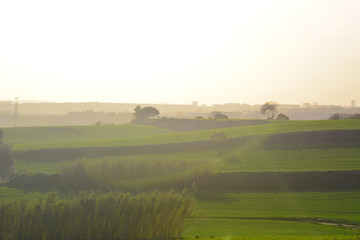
x,y
181,51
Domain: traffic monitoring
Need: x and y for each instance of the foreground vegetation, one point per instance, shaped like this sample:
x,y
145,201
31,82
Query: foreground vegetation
x,y
96,216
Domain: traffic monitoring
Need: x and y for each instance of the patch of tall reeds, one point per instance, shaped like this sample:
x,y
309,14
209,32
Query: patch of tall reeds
x,y
133,173
111,216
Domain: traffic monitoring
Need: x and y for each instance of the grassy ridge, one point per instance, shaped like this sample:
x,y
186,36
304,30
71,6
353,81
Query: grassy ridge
x,y
51,139
75,134
252,157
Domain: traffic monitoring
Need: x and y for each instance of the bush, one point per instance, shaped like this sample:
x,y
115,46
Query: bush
x,y
6,158
218,137
97,216
282,116
221,116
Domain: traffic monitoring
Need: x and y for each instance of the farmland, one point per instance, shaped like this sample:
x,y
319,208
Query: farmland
x,y
127,135
306,213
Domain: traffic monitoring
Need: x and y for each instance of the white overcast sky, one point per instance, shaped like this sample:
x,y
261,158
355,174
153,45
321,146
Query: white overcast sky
x,y
181,51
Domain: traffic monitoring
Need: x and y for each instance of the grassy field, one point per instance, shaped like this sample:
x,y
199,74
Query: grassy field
x,y
24,136
128,135
275,237
10,194
261,229
247,158
38,167
250,159
327,205
225,215
216,211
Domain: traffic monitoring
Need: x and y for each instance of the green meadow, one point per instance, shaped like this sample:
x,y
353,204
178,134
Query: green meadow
x,y
305,215
246,158
299,205
262,229
69,135
24,139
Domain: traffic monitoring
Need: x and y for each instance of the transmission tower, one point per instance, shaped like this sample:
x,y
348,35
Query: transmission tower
x,y
16,111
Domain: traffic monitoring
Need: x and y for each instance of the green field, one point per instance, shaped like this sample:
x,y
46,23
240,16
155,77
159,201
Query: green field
x,y
225,215
242,159
230,228
327,205
10,194
245,159
252,214
30,136
129,135
288,160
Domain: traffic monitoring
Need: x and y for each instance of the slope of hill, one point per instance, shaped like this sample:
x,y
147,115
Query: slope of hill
x,y
133,135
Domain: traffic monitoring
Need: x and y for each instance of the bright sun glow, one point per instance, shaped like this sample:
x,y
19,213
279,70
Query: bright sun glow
x,y
180,51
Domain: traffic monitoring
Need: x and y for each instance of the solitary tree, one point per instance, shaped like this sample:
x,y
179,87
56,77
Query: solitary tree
x,y
146,112
269,107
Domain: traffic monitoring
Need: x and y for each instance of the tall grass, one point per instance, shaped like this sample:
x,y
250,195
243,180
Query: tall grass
x,y
155,215
133,173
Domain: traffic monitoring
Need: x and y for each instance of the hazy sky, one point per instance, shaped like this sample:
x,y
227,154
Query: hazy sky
x,y
181,51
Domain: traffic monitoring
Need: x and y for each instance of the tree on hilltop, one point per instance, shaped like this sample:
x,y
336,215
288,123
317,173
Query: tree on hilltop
x,y
146,112
269,107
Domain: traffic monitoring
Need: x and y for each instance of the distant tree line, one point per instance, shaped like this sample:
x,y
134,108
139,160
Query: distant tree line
x,y
345,116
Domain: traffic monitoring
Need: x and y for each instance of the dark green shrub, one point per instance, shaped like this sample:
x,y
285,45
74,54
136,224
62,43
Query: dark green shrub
x,y
6,158
218,137
221,116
